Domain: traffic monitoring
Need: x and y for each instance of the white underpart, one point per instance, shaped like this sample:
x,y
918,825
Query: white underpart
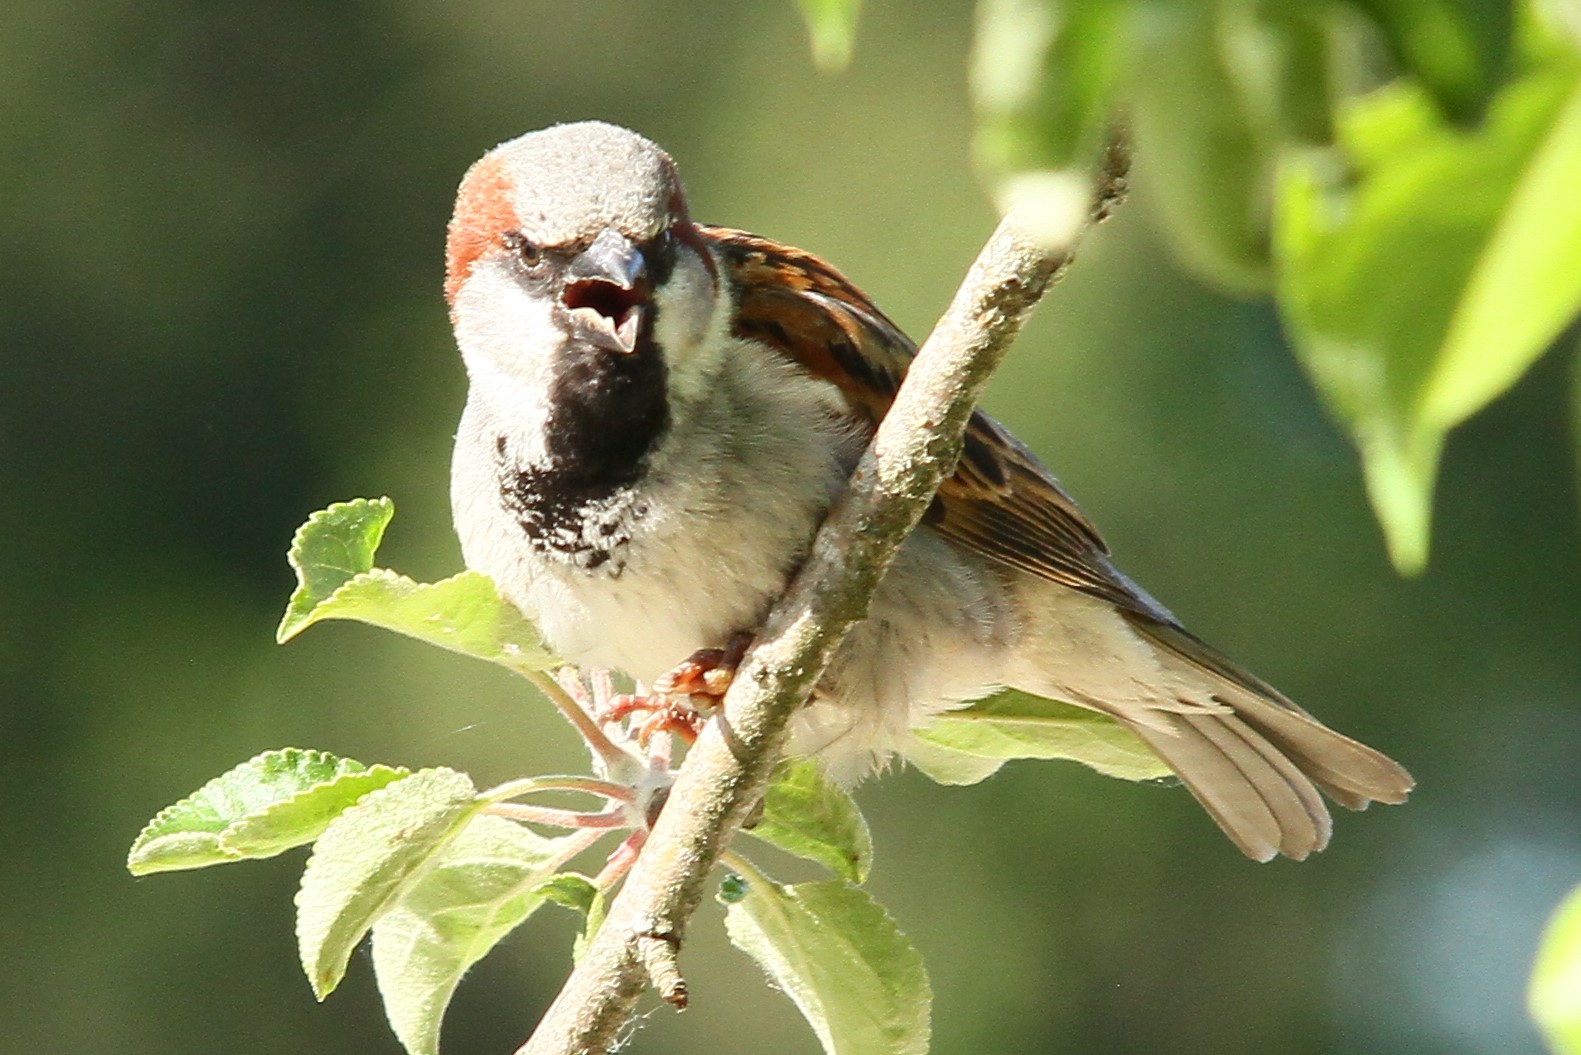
x,y
736,489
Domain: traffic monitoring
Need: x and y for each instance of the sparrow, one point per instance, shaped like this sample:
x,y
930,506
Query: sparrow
x,y
660,413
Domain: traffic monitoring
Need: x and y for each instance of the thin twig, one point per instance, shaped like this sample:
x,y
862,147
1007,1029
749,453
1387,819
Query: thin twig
x,y
917,444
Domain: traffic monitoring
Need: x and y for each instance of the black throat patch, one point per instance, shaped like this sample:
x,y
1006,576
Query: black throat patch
x,y
607,412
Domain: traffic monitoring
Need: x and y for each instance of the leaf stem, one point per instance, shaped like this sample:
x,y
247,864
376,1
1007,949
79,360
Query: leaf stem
x,y
559,818
588,785
615,759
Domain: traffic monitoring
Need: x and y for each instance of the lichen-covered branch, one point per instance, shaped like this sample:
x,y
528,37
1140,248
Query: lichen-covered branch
x,y
726,771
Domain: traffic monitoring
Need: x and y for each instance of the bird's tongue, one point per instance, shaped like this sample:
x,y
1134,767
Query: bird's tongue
x,y
610,314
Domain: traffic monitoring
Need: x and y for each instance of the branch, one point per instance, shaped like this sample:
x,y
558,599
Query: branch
x,y
725,773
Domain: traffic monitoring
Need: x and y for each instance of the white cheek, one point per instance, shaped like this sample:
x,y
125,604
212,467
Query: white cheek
x,y
508,342
691,316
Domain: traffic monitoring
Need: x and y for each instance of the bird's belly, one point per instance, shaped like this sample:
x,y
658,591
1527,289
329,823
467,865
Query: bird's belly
x,y
670,598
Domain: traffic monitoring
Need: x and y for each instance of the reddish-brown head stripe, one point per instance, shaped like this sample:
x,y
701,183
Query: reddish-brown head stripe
x,y
483,212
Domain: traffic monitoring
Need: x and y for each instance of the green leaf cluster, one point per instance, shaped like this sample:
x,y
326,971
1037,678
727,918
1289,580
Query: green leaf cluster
x,y
1400,175
415,859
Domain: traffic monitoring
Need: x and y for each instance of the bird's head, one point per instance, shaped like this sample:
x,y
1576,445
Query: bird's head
x,y
572,244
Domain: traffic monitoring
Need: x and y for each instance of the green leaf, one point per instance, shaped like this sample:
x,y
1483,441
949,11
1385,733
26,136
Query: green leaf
x,y
573,890
840,958
1422,285
946,765
334,546
832,26
1208,155
807,814
1043,77
367,858
1526,284
268,804
303,817
333,557
1013,724
486,882
1555,994
1457,49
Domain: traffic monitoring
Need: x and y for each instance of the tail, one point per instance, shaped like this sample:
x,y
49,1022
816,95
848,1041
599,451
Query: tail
x,y
1256,761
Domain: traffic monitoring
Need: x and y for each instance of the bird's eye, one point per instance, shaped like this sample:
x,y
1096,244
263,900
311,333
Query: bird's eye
x,y
527,252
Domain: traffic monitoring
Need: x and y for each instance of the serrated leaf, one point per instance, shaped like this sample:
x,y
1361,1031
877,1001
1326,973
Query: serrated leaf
x,y
1013,724
1422,286
807,814
831,26
332,555
367,858
1555,994
840,958
257,809
303,817
463,613
335,545
486,882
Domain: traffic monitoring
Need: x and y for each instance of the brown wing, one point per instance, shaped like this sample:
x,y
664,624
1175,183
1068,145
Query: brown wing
x,y
1000,502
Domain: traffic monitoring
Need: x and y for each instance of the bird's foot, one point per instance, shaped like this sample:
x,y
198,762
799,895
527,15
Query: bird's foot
x,y
664,714
683,699
707,673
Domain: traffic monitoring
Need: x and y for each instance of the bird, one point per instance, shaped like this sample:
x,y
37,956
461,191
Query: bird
x,y
659,414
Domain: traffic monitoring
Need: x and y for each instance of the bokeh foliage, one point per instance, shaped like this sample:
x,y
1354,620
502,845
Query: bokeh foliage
x,y
1402,177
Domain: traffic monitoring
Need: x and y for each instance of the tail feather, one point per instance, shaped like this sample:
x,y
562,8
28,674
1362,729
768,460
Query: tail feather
x,y
1264,803
1255,760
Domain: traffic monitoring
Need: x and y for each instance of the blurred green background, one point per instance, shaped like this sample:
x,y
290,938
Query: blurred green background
x,y
220,310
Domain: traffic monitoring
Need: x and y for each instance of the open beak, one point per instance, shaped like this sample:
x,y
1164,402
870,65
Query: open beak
x,y
607,292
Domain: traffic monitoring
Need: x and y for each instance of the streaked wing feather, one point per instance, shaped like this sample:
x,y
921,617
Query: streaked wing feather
x,y
1000,501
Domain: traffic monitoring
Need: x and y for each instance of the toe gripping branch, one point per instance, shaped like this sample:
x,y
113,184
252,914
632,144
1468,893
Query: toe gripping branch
x,y
683,698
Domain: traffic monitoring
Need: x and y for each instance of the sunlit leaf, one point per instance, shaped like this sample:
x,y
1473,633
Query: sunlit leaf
x,y
265,805
332,555
334,546
1013,724
832,26
1527,282
367,858
1555,994
807,814
841,959
1423,284
946,765
486,882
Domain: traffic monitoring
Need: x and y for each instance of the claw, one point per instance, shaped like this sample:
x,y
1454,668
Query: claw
x,y
707,672
682,699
